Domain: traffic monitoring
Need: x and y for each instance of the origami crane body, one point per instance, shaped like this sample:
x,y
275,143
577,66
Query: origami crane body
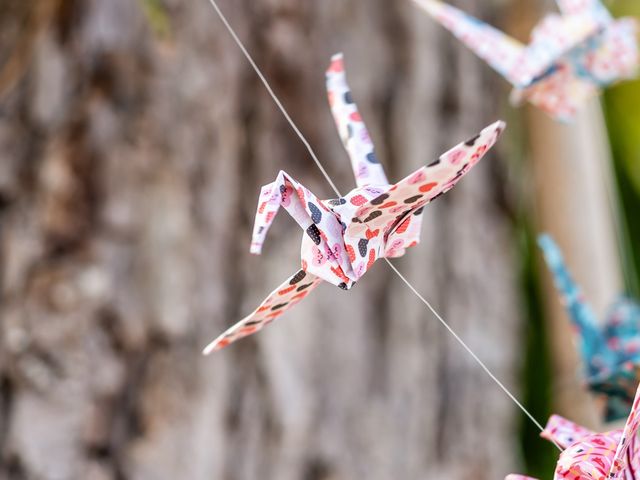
x,y
345,236
594,456
569,59
611,353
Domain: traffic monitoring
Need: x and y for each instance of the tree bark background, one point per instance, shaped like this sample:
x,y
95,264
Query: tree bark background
x,y
133,141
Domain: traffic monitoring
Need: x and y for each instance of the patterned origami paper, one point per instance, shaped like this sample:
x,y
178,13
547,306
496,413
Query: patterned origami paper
x,y
594,456
569,59
611,352
345,236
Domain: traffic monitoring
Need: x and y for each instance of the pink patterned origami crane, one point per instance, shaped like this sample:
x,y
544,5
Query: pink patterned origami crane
x,y
345,236
594,456
569,59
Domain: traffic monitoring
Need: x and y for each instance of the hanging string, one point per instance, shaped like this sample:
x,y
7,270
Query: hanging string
x,y
274,97
397,272
464,345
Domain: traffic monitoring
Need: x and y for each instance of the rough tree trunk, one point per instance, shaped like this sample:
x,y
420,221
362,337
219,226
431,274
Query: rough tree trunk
x,y
133,141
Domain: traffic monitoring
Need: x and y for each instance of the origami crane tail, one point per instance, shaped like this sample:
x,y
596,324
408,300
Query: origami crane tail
x,y
353,132
288,294
629,437
424,185
580,312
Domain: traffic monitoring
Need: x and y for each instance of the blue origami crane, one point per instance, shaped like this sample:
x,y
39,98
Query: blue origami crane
x,y
610,352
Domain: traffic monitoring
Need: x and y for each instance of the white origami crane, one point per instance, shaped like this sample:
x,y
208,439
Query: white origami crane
x,y
571,56
343,237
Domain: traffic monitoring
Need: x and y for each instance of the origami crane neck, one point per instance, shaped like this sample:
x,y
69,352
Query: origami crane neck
x,y
595,350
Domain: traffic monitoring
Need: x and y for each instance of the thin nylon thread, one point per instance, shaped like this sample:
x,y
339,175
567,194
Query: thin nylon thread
x,y
274,97
335,189
466,347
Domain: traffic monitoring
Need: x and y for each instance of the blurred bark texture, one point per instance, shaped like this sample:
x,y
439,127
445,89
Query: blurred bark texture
x,y
133,141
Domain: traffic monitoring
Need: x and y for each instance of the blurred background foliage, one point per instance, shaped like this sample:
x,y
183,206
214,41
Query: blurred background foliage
x,y
622,110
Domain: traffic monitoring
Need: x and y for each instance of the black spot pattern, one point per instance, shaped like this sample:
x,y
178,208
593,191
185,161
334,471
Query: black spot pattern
x,y
362,247
349,131
356,220
348,99
282,188
337,201
314,233
379,200
419,211
343,286
413,199
279,306
435,162
471,142
297,277
316,214
373,215
371,158
304,287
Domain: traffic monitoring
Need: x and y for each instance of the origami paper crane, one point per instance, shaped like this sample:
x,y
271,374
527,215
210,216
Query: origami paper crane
x,y
570,56
611,353
346,235
594,456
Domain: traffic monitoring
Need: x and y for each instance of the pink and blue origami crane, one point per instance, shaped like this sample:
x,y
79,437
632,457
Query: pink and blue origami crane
x,y
611,351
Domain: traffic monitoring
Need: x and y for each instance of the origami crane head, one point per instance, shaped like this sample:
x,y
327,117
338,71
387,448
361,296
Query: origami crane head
x,y
569,59
611,353
345,236
594,456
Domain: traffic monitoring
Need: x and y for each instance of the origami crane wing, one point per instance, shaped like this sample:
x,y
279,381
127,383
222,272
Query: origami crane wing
x,y
629,437
553,38
563,432
390,210
584,7
520,65
353,132
616,58
374,224
503,53
593,343
294,289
